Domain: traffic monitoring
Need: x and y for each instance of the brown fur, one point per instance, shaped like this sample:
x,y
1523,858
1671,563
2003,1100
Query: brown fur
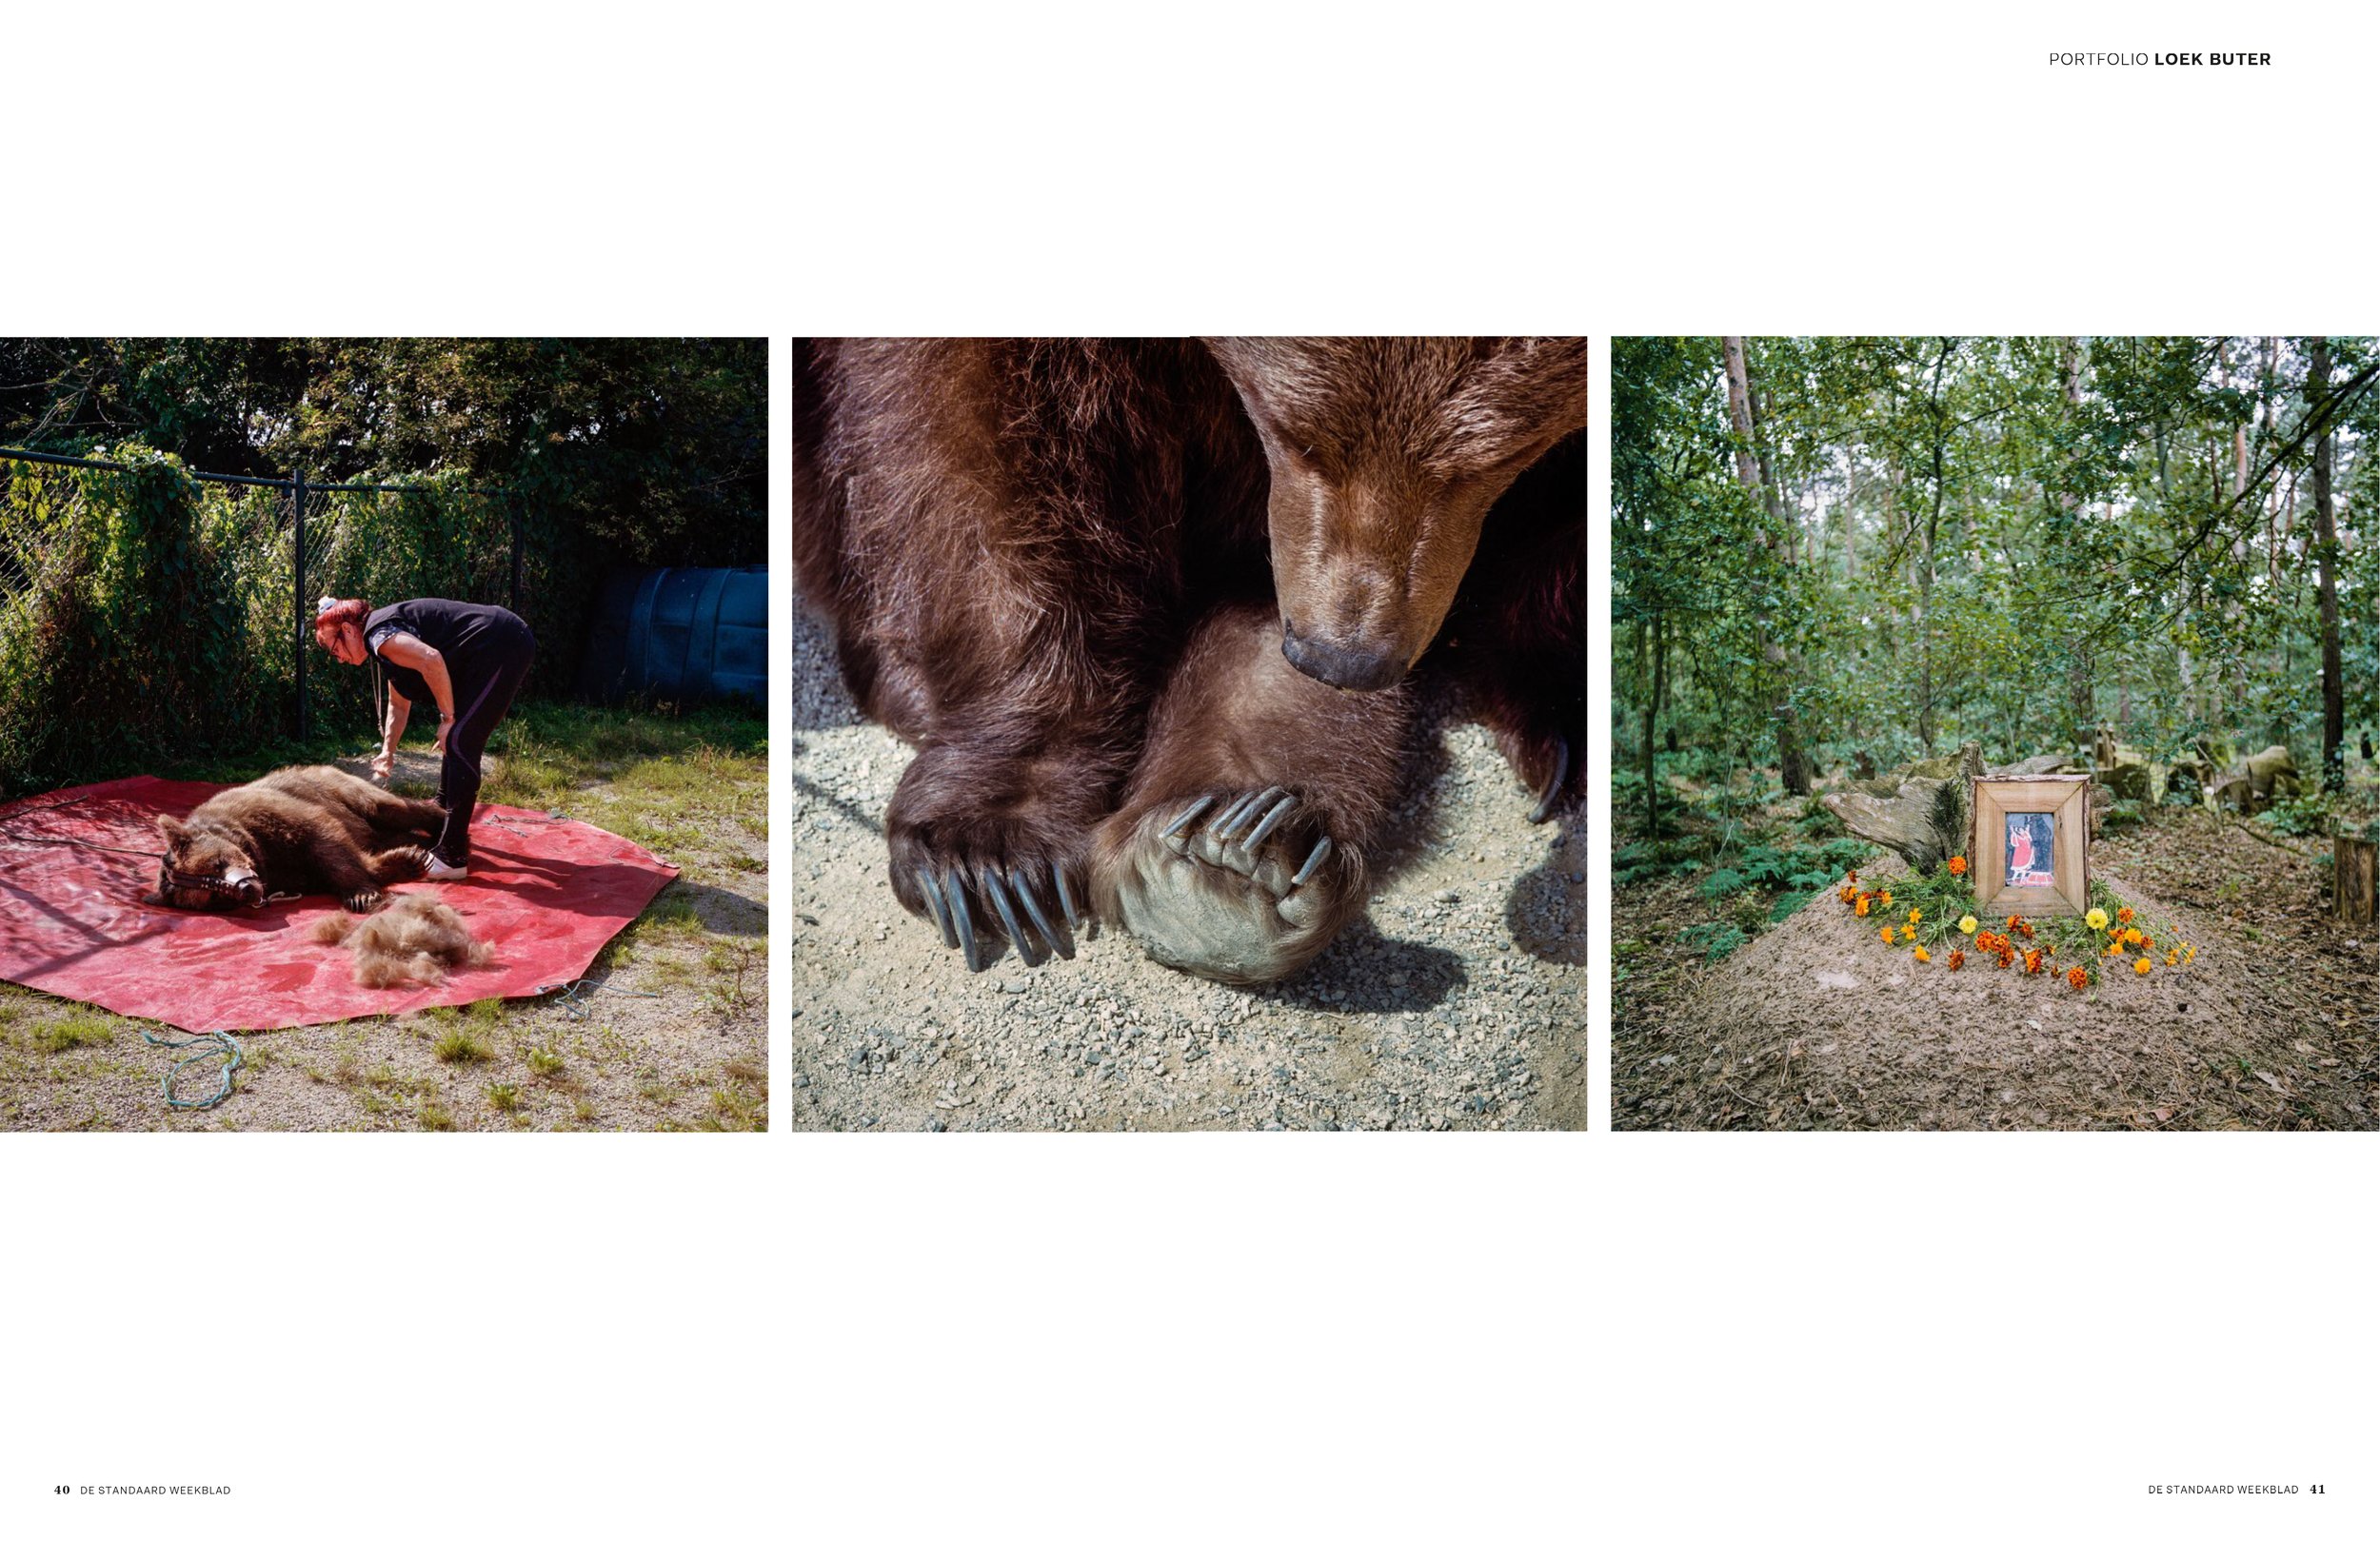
x,y
411,942
1028,548
305,830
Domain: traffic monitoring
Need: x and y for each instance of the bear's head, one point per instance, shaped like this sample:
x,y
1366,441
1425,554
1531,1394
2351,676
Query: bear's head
x,y
1386,455
205,867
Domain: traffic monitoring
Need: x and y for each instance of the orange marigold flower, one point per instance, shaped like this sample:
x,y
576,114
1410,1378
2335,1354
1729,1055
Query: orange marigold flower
x,y
2133,937
1885,894
1886,932
1955,962
2124,912
1862,909
1921,956
2002,959
2077,978
2033,961
1958,866
2140,965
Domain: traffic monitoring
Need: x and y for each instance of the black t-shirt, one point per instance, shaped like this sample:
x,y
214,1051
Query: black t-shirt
x,y
473,639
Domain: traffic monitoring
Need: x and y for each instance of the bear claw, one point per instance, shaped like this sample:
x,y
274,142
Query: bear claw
x,y
1230,897
1553,793
946,904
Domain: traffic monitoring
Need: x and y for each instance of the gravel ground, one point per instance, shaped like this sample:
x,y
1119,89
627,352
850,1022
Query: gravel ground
x,y
1459,1002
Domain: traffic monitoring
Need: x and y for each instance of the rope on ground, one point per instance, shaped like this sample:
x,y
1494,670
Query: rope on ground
x,y
573,997
537,821
214,1044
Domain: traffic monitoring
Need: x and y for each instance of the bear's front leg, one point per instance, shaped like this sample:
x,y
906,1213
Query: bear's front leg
x,y
989,828
358,878
1238,852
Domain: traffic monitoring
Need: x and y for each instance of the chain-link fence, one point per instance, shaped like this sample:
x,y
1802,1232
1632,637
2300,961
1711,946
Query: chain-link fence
x,y
148,612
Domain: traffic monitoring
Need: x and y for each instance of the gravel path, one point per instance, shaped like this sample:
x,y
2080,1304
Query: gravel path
x,y
1459,1003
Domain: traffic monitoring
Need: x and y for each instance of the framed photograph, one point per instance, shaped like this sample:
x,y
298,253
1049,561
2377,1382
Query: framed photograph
x,y
2031,844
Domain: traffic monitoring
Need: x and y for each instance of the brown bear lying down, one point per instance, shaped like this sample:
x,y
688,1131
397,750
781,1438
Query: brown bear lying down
x,y
310,829
1146,608
413,941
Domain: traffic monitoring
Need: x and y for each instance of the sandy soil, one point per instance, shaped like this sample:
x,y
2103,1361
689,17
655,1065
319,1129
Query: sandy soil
x,y
1458,1004
668,1033
2274,1025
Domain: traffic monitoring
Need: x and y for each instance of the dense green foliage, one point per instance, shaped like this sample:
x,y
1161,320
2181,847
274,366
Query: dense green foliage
x,y
2011,539
148,619
655,449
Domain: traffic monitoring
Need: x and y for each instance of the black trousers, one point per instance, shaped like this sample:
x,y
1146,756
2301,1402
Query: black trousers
x,y
484,687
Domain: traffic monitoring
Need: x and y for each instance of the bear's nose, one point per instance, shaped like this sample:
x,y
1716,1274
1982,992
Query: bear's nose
x,y
1335,663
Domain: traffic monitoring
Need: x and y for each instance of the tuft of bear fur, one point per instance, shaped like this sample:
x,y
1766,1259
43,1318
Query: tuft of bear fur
x,y
311,829
414,941
1147,609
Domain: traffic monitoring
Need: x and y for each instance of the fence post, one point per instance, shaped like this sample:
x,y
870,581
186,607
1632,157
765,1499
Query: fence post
x,y
297,527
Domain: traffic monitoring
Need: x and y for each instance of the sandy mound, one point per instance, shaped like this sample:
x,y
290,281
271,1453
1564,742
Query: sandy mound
x,y
1818,1024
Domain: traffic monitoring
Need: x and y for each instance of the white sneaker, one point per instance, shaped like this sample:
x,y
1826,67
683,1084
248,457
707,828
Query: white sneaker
x,y
438,872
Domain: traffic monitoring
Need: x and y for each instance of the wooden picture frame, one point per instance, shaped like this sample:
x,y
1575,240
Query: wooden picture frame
x,y
2030,845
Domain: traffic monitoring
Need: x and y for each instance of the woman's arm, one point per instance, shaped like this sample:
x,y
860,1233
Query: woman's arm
x,y
400,710
426,660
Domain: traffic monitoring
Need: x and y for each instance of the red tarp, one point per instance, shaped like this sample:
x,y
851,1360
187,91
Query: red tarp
x,y
546,893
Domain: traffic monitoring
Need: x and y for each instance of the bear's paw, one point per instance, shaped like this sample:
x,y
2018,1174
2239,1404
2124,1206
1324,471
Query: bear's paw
x,y
1242,887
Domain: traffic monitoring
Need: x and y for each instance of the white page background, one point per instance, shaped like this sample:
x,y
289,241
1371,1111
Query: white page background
x,y
1376,1336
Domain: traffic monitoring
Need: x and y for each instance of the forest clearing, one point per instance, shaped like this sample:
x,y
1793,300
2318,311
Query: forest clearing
x,y
1869,590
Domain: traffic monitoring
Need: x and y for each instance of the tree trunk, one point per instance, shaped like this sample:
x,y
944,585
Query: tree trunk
x,y
1652,704
1790,768
2326,559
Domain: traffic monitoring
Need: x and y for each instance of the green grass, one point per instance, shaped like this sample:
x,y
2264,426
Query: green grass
x,y
503,1096
734,1111
459,1045
651,758
80,1028
543,1061
672,915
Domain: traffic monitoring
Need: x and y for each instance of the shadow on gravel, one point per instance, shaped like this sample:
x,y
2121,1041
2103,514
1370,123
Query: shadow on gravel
x,y
1551,896
1403,976
804,786
723,912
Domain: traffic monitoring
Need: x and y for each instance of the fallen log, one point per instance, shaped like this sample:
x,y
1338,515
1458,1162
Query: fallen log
x,y
1919,811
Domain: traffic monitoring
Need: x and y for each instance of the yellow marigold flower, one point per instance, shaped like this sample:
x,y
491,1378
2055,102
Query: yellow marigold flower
x,y
1915,916
1967,923
2140,965
1888,896
2096,920
1921,956
2131,937
2171,959
1909,932
2115,949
